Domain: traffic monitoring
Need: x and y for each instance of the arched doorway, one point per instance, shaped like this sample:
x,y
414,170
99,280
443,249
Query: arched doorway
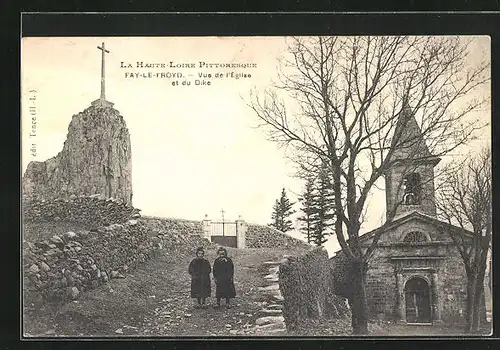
x,y
418,302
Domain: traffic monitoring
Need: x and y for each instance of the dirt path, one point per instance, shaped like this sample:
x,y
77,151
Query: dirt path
x,y
176,315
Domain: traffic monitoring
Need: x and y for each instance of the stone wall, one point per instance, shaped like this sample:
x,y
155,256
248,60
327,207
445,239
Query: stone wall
x,y
178,227
95,159
381,284
59,268
306,284
452,285
92,211
260,236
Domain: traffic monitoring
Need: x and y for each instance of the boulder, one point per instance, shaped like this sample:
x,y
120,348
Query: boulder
x,y
73,293
272,287
33,269
270,319
271,328
275,307
278,297
69,235
271,312
57,241
274,270
116,274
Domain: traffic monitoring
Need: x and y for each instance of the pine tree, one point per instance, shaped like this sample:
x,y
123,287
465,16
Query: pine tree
x,y
307,199
281,212
322,208
276,216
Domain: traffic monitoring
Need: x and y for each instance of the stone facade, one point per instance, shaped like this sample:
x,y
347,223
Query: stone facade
x,y
396,262
96,159
394,180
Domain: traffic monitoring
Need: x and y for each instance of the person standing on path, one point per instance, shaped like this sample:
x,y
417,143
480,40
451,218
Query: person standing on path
x,y
223,276
200,269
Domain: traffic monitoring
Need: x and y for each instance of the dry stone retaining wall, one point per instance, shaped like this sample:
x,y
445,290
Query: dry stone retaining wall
x,y
60,268
260,236
306,283
94,211
179,226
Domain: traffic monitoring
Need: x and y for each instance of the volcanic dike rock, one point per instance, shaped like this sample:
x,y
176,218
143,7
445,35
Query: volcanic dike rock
x,y
96,159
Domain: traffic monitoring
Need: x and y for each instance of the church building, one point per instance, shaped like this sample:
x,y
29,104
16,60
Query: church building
x,y
416,274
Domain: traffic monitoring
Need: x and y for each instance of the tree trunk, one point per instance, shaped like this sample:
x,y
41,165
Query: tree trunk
x,y
359,305
469,311
477,313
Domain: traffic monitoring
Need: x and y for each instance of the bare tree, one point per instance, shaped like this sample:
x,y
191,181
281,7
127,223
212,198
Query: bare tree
x,y
465,201
338,102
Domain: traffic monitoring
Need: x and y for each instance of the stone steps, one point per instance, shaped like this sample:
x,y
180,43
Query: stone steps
x,y
274,270
271,320
272,328
270,312
275,307
272,287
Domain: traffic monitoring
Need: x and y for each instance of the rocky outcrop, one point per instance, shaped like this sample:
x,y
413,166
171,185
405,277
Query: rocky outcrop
x,y
96,159
260,236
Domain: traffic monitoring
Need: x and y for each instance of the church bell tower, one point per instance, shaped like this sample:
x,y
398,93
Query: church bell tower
x,y
409,182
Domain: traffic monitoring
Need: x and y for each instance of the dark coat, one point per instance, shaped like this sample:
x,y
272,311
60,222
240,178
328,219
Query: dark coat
x,y
223,274
199,269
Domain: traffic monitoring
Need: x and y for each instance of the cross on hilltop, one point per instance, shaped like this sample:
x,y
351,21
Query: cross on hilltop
x,y
101,102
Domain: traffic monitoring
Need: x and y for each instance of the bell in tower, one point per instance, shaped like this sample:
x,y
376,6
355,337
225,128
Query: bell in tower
x,y
409,182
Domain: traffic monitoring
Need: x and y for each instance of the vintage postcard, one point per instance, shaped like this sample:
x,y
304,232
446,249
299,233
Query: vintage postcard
x,y
256,186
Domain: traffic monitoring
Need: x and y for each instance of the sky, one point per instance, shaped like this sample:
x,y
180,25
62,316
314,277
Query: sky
x,y
195,149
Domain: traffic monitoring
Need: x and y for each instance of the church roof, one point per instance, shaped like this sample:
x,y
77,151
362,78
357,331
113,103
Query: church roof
x,y
411,216
410,143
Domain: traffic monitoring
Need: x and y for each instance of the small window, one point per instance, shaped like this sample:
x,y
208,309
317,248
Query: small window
x,y
412,189
415,237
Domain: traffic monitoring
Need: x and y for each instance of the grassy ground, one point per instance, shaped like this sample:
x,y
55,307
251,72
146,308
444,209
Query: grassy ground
x,y
154,300
417,330
342,327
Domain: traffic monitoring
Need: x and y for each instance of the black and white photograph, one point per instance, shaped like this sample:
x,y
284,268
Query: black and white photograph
x,y
256,186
